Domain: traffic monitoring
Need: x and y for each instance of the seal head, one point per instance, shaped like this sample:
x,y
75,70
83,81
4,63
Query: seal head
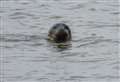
x,y
60,33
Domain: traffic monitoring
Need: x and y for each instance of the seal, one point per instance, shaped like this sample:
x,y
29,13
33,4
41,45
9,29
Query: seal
x,y
60,32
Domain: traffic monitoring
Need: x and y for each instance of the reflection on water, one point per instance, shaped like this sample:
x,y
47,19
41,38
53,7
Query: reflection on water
x,y
91,56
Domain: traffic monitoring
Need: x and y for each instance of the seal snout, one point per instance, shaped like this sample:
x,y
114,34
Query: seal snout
x,y
60,33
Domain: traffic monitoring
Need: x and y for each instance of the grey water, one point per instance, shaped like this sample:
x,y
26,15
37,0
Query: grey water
x,y
26,55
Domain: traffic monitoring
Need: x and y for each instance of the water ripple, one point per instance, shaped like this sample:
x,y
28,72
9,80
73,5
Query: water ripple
x,y
18,37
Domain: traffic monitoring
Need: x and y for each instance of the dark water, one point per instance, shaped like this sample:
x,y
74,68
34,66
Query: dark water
x,y
26,56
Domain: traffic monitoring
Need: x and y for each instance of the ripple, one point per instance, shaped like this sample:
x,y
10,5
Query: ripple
x,y
94,42
55,17
115,13
21,15
18,37
78,6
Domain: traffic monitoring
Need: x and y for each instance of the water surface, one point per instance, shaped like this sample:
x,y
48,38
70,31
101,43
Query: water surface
x,y
26,55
